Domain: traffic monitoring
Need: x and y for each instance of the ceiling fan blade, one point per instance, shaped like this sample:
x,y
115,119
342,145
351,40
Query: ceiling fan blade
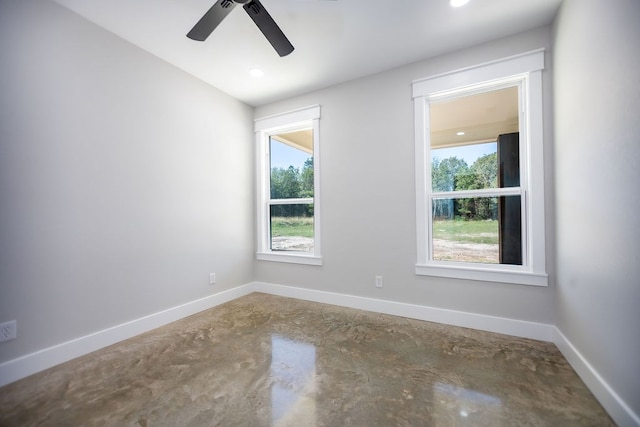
x,y
269,28
211,20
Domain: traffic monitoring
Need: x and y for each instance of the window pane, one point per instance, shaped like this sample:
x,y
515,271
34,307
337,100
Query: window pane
x,y
291,166
474,141
479,230
467,167
292,227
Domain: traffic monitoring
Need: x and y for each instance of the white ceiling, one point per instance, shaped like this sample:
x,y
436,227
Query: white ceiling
x,y
334,40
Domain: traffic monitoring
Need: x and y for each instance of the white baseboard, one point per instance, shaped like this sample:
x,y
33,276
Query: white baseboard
x,y
621,413
29,364
617,408
518,328
32,363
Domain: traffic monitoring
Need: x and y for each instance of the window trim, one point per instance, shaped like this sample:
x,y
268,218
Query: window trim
x,y
527,68
307,117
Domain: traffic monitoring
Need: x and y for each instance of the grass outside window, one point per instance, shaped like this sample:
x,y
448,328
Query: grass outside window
x,y
466,231
292,226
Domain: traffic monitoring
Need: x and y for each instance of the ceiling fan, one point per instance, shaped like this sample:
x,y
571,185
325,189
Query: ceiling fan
x,y
255,10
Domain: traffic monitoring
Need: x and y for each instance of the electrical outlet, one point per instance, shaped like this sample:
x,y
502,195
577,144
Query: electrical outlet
x,y
378,281
212,278
8,330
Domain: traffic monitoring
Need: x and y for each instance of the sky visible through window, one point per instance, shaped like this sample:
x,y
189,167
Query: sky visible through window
x,y
283,156
468,153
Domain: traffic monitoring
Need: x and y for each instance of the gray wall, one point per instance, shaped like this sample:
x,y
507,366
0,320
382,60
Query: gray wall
x,y
597,151
123,181
368,194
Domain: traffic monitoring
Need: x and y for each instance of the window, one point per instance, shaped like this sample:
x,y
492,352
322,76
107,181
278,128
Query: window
x,y
288,187
479,172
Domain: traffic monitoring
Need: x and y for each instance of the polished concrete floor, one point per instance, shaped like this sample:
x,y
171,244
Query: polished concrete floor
x,y
263,360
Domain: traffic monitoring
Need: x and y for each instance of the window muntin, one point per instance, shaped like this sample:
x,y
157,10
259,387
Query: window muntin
x,y
517,204
288,184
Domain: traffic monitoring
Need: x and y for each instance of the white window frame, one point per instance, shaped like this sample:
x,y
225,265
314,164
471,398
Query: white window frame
x,y
524,70
304,118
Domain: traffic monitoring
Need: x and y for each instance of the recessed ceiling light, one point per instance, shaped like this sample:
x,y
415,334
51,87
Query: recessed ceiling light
x,y
458,3
256,72
460,133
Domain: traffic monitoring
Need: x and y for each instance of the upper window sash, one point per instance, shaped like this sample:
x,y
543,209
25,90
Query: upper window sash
x,y
485,192
291,201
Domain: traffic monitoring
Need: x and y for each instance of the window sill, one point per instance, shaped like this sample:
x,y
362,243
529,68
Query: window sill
x,y
488,274
290,257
